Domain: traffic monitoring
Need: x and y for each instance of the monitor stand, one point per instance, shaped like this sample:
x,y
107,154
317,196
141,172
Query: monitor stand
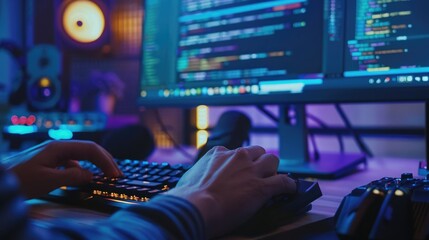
x,y
293,149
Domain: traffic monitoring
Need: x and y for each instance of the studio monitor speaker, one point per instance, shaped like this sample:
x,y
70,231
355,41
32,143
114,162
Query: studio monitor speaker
x,y
43,84
82,24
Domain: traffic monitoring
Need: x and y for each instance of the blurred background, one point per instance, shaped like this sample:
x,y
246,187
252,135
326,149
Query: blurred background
x,y
62,79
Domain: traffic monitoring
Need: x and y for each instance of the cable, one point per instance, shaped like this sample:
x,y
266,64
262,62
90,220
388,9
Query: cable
x,y
362,146
175,144
267,113
316,152
325,126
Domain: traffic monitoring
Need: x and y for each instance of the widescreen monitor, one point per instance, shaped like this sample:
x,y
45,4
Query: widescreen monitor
x,y
239,52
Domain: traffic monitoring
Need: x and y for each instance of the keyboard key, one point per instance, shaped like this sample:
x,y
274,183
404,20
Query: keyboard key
x,y
164,179
173,180
141,179
155,191
144,170
144,183
144,177
143,190
177,166
154,171
176,173
153,178
135,170
164,165
144,164
135,163
164,172
134,176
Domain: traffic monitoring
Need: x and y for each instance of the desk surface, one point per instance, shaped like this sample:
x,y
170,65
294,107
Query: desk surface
x,y
323,208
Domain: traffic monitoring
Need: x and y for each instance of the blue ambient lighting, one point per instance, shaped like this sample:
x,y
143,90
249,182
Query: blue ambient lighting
x,y
20,129
60,134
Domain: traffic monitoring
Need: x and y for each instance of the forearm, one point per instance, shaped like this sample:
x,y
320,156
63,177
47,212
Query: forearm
x,y
164,217
174,217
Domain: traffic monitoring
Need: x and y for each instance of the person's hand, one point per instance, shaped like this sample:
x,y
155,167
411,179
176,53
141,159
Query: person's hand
x,y
52,164
229,186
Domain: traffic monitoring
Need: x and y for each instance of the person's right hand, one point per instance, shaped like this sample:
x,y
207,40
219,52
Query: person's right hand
x,y
229,186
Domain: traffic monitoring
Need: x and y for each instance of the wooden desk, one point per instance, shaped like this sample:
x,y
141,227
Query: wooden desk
x,y
323,208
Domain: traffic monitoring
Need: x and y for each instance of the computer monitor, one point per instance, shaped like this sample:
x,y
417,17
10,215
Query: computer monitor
x,y
286,52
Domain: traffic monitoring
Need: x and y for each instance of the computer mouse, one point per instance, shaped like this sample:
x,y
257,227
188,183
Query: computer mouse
x,y
283,208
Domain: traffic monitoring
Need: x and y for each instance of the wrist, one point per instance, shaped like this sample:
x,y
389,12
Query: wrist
x,y
207,206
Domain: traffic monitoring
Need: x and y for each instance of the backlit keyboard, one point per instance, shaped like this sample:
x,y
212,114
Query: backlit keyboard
x,y
141,181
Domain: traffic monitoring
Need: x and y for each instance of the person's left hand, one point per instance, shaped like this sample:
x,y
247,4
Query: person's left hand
x,y
52,164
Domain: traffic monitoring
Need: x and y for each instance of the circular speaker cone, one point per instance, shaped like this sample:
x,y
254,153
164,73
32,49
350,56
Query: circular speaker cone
x,y
83,21
43,92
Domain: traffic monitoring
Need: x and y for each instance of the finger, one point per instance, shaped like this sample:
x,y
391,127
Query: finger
x,y
23,156
84,150
279,184
113,161
72,163
73,176
251,152
217,149
266,165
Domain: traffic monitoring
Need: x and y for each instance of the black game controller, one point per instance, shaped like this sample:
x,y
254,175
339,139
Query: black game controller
x,y
388,208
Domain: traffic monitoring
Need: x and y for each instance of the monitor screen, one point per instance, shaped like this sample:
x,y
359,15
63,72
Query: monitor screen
x,y
221,52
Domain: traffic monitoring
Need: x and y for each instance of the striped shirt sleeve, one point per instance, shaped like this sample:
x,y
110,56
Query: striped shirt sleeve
x,y
164,217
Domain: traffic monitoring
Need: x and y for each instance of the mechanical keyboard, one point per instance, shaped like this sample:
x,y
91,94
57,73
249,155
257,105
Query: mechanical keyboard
x,y
388,208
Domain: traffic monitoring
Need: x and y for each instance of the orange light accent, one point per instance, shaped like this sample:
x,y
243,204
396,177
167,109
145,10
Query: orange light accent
x,y
119,196
48,124
45,82
83,21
